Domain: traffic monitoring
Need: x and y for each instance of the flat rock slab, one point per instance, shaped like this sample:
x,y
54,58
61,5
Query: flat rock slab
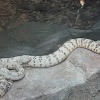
x,y
87,60
48,83
70,80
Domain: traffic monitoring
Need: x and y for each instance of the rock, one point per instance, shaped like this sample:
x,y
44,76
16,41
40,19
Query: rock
x,y
46,83
76,78
87,60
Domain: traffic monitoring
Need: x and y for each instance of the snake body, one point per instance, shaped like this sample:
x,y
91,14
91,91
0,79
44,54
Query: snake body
x,y
5,85
18,63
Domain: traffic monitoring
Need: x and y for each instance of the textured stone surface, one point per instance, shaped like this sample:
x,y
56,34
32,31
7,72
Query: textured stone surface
x,y
87,60
50,83
77,78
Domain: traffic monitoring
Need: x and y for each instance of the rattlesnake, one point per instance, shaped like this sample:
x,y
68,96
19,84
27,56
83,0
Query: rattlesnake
x,y
12,68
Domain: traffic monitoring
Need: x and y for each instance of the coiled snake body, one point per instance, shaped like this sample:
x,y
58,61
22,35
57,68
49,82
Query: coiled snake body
x,y
13,68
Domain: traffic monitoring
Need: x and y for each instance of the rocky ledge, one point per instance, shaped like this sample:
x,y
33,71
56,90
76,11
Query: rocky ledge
x,y
77,78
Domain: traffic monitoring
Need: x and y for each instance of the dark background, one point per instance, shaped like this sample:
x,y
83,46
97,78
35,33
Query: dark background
x,y
38,27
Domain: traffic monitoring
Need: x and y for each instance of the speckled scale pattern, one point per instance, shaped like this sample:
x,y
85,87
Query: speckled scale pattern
x,y
5,85
13,68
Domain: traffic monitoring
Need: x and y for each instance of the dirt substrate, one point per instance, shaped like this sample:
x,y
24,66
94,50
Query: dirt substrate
x,y
66,12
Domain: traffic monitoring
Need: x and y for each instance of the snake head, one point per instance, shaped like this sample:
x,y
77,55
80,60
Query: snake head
x,y
25,59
